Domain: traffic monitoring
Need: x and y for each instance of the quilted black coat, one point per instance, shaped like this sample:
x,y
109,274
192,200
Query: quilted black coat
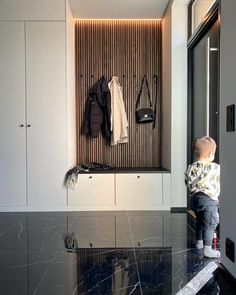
x,y
98,110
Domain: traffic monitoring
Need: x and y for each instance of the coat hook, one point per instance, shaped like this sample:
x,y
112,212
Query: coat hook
x,y
155,76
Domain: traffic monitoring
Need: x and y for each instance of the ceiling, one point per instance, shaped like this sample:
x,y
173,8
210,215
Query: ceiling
x,y
118,9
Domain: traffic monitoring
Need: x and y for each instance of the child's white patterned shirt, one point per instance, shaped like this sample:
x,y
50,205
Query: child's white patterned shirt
x,y
203,176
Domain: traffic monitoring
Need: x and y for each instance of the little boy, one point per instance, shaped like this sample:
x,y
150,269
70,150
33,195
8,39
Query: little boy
x,y
203,181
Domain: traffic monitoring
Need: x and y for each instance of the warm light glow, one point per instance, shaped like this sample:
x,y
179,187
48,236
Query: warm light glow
x,y
118,19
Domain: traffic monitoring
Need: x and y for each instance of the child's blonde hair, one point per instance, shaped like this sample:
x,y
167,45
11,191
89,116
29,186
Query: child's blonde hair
x,y
203,147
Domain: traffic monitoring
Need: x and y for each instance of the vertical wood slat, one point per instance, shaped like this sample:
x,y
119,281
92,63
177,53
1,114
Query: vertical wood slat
x,y
128,49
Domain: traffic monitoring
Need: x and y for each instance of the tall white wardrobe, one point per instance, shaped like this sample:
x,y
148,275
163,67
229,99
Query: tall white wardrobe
x,y
36,103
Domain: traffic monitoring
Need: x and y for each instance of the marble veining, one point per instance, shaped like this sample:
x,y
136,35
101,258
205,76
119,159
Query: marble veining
x,y
199,280
100,253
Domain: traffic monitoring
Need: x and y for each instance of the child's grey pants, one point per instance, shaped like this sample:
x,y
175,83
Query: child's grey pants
x,y
206,210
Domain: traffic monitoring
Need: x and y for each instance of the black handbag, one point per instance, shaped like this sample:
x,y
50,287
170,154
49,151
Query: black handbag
x,y
144,115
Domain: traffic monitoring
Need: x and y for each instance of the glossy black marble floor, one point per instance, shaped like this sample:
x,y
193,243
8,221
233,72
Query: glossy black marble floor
x,y
99,253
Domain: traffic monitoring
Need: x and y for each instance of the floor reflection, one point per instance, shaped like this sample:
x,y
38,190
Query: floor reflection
x,y
97,253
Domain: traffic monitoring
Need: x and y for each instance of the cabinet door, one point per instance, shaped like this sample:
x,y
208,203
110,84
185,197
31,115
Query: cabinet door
x,y
46,113
32,10
139,189
93,190
12,115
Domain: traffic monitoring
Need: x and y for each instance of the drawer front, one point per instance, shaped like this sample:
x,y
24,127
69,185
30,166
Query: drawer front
x,y
139,189
92,189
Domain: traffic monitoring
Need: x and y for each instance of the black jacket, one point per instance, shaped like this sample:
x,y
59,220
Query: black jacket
x,y
98,110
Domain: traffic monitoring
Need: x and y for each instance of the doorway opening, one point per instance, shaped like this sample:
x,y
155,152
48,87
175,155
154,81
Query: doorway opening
x,y
203,82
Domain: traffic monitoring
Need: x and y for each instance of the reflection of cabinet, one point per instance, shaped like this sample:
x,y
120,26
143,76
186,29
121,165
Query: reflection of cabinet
x,y
32,114
13,253
45,253
139,189
93,189
146,231
121,231
94,232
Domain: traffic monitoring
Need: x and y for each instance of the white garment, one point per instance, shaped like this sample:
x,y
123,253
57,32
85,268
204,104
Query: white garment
x,y
120,276
119,122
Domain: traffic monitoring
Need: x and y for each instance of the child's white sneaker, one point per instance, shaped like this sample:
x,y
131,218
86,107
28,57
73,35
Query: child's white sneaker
x,y
199,244
210,253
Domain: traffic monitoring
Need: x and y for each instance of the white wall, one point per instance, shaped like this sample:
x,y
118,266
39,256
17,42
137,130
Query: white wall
x,y
175,97
70,77
166,90
179,103
227,139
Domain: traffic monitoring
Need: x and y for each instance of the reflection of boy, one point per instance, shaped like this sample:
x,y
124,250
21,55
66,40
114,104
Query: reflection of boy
x,y
203,181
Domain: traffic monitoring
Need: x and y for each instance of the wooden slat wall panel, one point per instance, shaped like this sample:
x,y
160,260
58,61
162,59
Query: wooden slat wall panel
x,y
128,49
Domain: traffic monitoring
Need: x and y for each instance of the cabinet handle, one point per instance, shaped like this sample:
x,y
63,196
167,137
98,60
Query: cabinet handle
x,y
90,177
21,125
138,176
28,125
139,244
91,245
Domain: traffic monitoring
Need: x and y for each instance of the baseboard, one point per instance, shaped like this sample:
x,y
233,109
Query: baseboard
x,y
178,209
88,208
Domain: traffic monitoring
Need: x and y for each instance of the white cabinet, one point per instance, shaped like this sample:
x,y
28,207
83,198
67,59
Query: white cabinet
x,y
139,189
32,10
143,191
46,113
93,190
32,114
12,115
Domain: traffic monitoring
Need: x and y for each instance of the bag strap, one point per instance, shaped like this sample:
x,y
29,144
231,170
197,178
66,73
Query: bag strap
x,y
155,106
141,90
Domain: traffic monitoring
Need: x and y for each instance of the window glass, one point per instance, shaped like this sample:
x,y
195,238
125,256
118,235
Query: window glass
x,y
199,11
